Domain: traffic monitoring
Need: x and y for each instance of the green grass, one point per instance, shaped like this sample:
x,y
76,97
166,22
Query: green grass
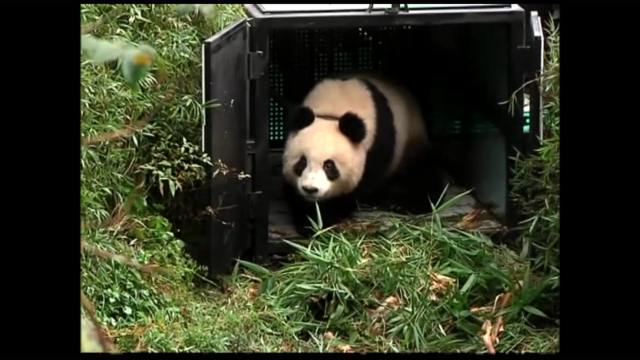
x,y
434,273
419,285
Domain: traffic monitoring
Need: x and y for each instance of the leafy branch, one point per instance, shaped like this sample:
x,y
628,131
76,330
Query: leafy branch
x,y
207,10
135,61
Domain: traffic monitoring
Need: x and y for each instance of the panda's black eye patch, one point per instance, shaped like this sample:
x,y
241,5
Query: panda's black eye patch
x,y
331,170
300,165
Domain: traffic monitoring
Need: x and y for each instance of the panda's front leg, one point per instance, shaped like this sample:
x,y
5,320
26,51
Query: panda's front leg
x,y
300,211
336,210
308,213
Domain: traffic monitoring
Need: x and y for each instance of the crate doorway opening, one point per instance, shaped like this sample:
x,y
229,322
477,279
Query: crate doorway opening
x,y
458,73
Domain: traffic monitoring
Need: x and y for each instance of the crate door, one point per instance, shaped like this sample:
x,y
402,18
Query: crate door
x,y
536,65
225,84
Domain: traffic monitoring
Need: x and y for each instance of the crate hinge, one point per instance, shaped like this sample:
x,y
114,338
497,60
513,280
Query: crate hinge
x,y
257,64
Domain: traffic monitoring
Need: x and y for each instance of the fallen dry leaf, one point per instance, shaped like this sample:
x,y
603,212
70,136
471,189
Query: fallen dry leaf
x,y
376,328
392,302
439,285
497,329
479,220
441,280
358,226
501,301
492,331
345,348
468,221
490,334
487,328
253,291
481,309
381,312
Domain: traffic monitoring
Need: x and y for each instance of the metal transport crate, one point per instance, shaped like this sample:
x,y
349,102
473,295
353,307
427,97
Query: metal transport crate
x,y
461,60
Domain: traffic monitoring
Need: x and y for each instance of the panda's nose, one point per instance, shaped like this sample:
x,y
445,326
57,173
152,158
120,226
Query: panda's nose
x,y
310,190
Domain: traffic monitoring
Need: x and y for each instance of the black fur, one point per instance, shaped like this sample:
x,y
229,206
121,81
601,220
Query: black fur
x,y
381,153
352,126
300,117
332,171
299,166
413,189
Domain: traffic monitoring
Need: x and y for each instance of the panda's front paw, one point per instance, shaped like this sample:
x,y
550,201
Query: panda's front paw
x,y
305,230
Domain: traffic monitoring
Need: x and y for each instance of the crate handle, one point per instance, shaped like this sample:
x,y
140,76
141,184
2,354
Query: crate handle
x,y
393,10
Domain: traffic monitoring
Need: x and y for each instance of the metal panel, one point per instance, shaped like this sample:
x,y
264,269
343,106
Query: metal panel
x,y
225,136
432,15
534,67
297,8
538,67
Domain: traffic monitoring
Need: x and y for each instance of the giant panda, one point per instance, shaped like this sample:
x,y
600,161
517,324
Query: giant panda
x,y
350,135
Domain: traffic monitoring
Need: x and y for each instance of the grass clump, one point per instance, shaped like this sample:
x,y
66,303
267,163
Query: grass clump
x,y
420,287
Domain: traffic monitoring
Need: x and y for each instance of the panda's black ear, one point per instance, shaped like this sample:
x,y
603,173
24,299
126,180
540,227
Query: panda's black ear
x,y
300,117
353,127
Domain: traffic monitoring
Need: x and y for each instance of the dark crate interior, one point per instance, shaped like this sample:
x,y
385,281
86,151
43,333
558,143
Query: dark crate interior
x,y
455,71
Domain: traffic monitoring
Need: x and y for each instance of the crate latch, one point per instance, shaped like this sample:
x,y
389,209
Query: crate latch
x,y
257,64
393,10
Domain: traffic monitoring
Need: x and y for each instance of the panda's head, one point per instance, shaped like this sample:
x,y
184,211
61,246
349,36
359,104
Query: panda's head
x,y
324,156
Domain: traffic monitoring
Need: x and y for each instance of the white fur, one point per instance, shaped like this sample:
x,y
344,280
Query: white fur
x,y
314,177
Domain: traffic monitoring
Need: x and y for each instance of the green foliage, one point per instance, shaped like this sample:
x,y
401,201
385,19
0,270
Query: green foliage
x,y
141,140
346,286
123,291
163,120
537,177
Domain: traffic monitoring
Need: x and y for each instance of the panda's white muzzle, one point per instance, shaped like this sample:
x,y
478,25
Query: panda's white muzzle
x,y
313,185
